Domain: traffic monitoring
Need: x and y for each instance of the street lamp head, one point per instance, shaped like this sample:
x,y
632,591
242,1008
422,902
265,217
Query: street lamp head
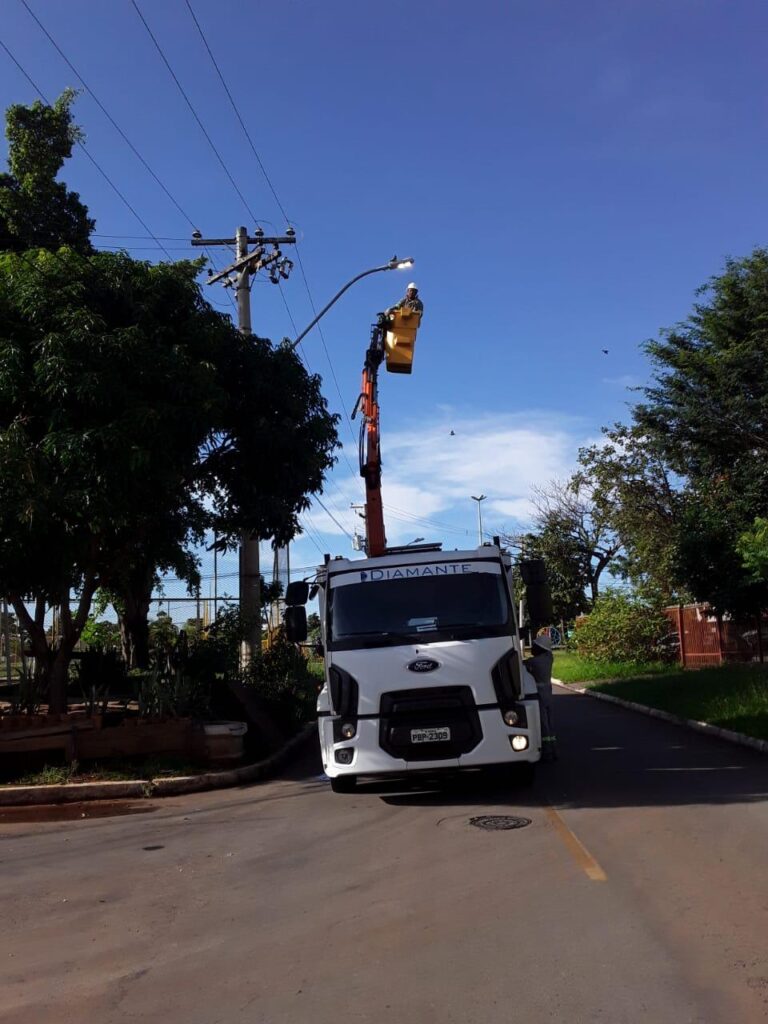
x,y
480,497
396,264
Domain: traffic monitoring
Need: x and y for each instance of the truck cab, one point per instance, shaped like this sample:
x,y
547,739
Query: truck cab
x,y
423,666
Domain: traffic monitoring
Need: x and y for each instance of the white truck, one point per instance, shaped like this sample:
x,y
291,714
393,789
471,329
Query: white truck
x,y
423,659
423,664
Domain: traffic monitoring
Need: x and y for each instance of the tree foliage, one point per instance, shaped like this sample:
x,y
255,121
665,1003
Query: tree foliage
x,y
686,479
124,433
753,548
633,488
36,210
706,413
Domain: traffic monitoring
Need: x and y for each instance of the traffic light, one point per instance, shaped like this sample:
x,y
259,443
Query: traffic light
x,y
400,339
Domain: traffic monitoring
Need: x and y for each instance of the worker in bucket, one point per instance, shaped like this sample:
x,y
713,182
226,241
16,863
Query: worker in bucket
x,y
410,301
540,667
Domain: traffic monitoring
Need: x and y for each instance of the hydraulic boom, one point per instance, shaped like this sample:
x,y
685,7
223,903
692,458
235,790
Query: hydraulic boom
x,y
392,338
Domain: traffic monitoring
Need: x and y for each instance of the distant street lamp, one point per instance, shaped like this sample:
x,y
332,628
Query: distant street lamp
x,y
394,264
478,499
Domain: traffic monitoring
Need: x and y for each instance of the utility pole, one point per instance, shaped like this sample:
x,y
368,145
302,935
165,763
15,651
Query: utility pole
x,y
248,264
7,640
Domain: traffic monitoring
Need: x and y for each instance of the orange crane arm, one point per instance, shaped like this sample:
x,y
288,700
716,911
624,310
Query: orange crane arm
x,y
393,338
370,450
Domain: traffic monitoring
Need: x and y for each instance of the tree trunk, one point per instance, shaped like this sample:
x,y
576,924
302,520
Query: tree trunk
x,y
134,620
58,678
52,666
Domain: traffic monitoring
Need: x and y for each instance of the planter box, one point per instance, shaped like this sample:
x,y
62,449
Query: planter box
x,y
137,737
224,741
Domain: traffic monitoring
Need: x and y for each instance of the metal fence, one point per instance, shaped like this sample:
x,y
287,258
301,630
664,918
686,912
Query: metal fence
x,y
705,638
218,589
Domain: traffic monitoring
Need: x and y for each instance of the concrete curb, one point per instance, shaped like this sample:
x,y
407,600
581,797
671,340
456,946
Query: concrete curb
x,y
739,738
75,792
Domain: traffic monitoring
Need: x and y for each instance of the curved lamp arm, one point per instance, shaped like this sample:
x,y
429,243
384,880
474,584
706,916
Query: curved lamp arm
x,y
394,264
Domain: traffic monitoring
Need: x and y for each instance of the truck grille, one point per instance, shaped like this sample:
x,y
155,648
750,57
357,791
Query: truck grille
x,y
451,707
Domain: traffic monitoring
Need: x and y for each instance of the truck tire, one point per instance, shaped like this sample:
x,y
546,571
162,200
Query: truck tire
x,y
344,784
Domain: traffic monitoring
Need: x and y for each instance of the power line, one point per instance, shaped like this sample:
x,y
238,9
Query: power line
x,y
234,107
193,111
332,516
82,146
107,114
273,190
164,238
311,535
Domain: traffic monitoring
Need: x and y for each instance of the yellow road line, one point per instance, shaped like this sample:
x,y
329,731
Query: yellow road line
x,y
576,848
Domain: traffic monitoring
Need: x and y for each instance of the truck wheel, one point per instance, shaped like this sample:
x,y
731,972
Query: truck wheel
x,y
344,784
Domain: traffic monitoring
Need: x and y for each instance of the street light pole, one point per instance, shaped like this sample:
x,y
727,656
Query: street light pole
x,y
394,264
478,499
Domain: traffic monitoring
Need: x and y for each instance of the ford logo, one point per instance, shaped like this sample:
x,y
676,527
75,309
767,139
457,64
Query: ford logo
x,y
422,665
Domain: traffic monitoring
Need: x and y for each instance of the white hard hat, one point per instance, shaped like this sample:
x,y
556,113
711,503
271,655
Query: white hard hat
x,y
414,286
543,641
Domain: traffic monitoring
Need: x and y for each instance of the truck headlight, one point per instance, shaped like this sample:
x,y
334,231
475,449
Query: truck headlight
x,y
519,742
511,717
348,730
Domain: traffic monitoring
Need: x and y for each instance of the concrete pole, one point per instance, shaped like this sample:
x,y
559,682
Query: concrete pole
x,y
250,597
7,639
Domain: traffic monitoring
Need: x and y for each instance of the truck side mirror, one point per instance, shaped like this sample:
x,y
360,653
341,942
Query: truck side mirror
x,y
538,596
297,592
295,620
533,570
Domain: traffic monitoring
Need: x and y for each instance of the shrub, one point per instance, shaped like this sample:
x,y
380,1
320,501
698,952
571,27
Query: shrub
x,y
284,679
622,627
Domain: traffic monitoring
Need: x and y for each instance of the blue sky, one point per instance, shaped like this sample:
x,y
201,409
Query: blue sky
x,y
565,174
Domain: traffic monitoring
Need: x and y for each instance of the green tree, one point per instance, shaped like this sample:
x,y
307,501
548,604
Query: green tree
x,y
133,417
36,210
314,630
575,539
706,414
633,489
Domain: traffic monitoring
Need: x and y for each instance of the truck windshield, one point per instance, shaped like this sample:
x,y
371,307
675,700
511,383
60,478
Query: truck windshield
x,y
407,610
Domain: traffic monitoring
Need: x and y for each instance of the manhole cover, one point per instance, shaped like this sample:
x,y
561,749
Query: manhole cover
x,y
499,822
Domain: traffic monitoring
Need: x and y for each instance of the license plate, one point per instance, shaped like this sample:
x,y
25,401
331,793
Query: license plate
x,y
430,735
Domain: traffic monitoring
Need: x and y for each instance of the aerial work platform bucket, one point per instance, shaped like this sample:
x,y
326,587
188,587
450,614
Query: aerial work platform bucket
x,y
400,339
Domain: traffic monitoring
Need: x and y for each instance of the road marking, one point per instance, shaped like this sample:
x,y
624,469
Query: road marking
x,y
576,848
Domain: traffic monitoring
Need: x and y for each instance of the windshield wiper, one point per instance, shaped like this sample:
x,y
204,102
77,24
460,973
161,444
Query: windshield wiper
x,y
376,634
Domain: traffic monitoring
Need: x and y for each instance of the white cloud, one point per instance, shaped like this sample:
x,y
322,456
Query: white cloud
x,y
429,474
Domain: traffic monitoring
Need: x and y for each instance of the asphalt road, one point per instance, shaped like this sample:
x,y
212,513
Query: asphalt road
x,y
639,892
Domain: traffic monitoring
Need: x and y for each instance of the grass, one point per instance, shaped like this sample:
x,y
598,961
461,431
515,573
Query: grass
x,y
730,696
120,771
571,668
